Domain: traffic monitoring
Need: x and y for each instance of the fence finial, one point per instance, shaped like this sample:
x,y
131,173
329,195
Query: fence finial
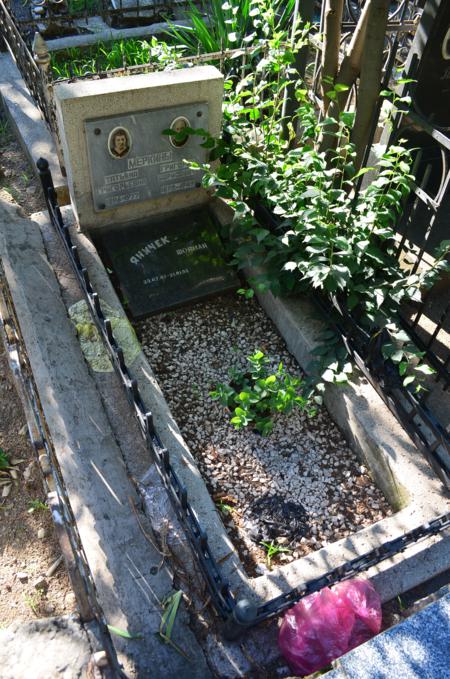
x,y
40,52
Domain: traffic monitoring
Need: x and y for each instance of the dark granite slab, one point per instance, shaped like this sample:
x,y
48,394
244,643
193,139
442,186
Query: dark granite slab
x,y
167,263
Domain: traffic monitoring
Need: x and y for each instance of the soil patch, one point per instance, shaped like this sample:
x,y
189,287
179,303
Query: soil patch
x,y
28,542
17,179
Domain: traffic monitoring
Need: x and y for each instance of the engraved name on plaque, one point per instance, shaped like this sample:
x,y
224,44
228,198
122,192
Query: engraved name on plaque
x,y
131,160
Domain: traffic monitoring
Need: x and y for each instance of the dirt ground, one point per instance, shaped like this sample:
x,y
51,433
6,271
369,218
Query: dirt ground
x,y
28,543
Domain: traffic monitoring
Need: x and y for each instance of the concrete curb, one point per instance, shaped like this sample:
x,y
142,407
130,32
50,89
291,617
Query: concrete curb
x,y
120,558
375,435
28,124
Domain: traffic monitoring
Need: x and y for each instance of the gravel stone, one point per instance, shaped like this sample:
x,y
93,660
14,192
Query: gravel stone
x,y
304,463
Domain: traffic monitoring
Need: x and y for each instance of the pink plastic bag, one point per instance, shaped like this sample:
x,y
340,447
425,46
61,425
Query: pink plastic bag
x,y
327,624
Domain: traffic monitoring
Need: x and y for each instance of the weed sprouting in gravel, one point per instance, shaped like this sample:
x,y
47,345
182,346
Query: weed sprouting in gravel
x,y
4,461
37,505
34,601
258,394
272,550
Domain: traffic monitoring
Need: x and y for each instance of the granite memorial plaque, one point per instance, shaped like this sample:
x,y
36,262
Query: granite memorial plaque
x,y
131,160
167,263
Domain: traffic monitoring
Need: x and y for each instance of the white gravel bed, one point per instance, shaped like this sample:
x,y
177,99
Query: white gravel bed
x,y
302,485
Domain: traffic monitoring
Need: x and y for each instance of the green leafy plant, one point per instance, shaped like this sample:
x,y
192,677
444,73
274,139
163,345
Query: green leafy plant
x,y
4,460
37,505
248,293
255,396
171,605
326,237
123,633
232,24
4,127
34,601
224,508
89,7
78,61
272,551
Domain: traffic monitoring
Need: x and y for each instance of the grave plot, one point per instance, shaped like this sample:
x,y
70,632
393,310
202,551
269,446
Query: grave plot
x,y
301,487
133,196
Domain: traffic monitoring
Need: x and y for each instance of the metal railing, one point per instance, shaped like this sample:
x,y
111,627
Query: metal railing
x,y
237,614
71,17
23,57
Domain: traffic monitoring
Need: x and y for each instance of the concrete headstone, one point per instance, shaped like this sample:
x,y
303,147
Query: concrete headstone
x,y
121,167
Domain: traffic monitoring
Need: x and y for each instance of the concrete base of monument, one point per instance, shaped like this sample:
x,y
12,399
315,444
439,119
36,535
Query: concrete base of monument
x,y
403,475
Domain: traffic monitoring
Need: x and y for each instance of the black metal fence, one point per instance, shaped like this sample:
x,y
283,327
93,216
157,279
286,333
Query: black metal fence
x,y
425,221
56,18
21,53
237,614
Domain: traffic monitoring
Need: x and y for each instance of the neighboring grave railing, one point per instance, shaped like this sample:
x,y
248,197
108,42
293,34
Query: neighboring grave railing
x,y
425,218
237,614
23,57
75,17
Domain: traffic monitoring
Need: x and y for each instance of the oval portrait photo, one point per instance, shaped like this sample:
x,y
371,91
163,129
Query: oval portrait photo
x,y
119,142
178,125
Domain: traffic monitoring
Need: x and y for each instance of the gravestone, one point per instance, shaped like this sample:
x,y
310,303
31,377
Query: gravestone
x,y
132,187
121,167
169,262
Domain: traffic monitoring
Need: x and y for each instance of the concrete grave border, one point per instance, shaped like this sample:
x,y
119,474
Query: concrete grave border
x,y
379,440
397,466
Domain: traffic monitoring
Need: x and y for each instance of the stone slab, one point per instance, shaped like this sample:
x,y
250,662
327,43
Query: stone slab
x,y
119,556
27,122
173,261
102,32
131,159
52,647
82,101
417,648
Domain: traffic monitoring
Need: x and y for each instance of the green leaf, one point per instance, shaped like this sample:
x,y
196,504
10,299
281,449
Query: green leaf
x,y
261,234
425,369
408,380
123,633
363,171
402,368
